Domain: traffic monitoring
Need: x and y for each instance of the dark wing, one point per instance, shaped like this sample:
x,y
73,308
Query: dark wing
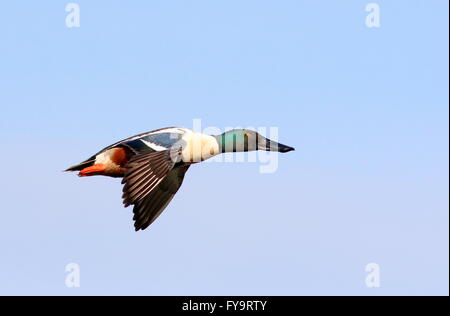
x,y
147,210
144,173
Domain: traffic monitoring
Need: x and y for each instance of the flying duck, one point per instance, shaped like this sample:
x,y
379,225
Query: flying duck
x,y
153,164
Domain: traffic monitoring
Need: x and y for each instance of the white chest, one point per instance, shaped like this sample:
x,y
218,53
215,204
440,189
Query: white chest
x,y
197,147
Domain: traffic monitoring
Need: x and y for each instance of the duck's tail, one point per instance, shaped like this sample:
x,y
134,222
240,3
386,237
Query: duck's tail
x,y
88,168
82,165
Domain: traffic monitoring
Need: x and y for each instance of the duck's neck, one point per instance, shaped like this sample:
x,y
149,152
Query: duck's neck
x,y
231,141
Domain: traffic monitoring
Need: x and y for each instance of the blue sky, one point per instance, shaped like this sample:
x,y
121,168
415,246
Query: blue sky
x,y
365,108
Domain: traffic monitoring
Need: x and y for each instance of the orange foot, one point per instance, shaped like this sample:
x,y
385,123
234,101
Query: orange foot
x,y
93,170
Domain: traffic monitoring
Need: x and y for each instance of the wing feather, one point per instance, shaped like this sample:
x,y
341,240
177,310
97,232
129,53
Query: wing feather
x,y
147,210
144,173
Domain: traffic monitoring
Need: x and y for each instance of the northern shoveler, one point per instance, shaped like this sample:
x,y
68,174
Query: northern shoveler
x,y
153,164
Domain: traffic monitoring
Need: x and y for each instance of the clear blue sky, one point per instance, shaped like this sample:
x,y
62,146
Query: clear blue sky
x,y
366,109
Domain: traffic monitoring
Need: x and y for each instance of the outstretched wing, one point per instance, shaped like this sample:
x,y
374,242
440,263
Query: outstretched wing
x,y
151,181
147,210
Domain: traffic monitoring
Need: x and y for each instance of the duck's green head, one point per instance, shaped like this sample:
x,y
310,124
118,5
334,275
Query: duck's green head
x,y
238,140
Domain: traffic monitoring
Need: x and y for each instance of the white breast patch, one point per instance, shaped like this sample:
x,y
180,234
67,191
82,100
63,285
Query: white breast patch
x,y
198,147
